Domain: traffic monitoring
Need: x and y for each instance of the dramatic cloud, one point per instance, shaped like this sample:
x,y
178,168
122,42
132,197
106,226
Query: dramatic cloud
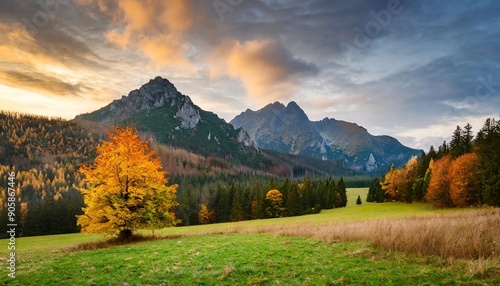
x,y
266,68
156,28
411,69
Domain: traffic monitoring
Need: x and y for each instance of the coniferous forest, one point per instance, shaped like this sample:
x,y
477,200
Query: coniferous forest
x,y
46,153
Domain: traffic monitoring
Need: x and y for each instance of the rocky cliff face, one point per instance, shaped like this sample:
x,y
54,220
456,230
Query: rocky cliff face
x,y
157,93
158,108
288,129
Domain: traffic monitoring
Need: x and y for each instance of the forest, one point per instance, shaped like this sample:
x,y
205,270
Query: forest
x,y
464,172
46,154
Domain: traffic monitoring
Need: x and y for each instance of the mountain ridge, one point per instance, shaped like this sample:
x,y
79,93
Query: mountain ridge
x,y
160,111
288,129
172,118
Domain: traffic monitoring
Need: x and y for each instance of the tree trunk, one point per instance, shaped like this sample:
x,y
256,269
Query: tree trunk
x,y
125,234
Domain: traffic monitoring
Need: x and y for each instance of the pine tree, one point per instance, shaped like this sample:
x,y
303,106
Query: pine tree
x,y
467,138
456,146
293,202
342,192
488,151
358,200
375,192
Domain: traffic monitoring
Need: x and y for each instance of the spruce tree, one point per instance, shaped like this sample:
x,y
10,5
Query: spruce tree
x,y
456,143
467,138
342,192
293,202
488,150
358,201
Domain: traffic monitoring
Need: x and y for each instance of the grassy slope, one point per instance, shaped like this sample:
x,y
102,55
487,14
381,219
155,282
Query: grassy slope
x,y
236,259
248,259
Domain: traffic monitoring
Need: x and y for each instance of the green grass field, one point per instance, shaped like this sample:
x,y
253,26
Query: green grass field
x,y
244,259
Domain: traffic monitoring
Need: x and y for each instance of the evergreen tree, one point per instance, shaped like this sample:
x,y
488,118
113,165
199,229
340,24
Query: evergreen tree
x,y
342,192
358,200
329,194
467,138
442,150
456,149
237,212
293,202
488,151
375,192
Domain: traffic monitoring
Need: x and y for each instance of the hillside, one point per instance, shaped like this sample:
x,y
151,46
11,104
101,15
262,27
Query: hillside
x,y
287,129
162,112
159,111
46,154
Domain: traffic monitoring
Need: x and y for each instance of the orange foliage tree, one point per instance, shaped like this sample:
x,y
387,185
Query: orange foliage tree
x,y
464,183
397,183
438,192
126,188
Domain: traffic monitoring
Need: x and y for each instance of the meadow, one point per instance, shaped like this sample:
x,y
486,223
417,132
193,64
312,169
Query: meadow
x,y
368,244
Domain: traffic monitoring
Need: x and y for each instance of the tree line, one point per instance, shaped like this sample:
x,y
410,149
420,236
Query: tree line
x,y
463,172
46,154
226,198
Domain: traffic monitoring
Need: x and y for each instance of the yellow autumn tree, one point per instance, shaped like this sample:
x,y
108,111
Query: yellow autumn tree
x,y
203,215
126,188
397,182
274,199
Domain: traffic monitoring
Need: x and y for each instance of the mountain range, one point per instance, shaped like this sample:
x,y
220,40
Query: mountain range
x,y
288,129
157,109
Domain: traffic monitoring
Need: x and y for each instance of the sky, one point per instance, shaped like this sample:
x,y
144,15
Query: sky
x,y
410,69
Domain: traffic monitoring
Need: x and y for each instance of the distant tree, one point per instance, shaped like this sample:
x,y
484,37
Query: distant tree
x,y
464,182
329,194
398,183
456,143
487,148
342,192
203,215
306,194
439,187
358,200
126,188
293,202
237,212
467,138
442,150
375,192
275,203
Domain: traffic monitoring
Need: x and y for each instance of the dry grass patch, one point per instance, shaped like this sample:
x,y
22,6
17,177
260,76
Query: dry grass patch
x,y
470,235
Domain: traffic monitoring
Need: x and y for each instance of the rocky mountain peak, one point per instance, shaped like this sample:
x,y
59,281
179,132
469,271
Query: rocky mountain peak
x,y
293,109
289,130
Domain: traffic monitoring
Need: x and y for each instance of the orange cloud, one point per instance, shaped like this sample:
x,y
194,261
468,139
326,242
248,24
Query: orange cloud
x,y
164,50
267,69
156,28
